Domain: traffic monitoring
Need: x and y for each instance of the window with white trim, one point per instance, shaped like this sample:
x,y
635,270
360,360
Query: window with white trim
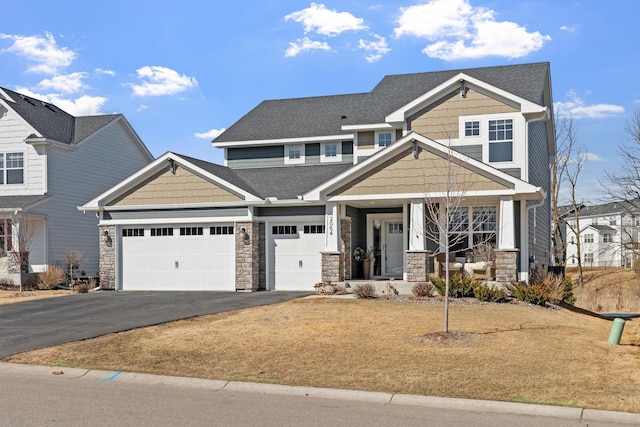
x,y
588,238
12,168
5,235
501,140
331,152
294,154
472,128
606,238
471,226
384,139
588,257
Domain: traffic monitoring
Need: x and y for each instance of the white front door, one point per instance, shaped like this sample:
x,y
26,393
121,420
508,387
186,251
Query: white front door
x,y
385,234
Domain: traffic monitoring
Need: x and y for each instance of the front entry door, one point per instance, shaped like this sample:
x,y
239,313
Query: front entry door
x,y
385,235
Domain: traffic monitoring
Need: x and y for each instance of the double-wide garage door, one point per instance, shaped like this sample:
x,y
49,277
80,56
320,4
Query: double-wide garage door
x,y
176,258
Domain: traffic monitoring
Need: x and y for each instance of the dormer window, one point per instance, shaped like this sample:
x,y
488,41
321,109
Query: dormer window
x,y
294,154
384,139
331,152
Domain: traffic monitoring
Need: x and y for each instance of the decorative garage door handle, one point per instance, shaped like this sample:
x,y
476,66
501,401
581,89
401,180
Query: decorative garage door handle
x,y
177,264
300,263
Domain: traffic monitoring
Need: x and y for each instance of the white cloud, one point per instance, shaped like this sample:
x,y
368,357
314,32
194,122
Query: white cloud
x,y
103,71
141,108
317,18
44,51
67,83
84,105
575,107
210,134
570,28
305,45
458,30
376,49
158,81
592,157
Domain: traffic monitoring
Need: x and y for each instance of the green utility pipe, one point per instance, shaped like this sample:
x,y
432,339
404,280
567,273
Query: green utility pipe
x,y
616,331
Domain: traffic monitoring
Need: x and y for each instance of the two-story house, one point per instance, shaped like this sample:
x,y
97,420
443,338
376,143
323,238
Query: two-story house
x,y
608,235
305,181
50,163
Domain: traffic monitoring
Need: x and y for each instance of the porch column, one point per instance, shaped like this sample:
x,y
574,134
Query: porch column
x,y
332,228
416,239
506,227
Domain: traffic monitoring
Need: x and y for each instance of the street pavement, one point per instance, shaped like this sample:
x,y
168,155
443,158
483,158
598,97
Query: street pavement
x,y
46,322
52,396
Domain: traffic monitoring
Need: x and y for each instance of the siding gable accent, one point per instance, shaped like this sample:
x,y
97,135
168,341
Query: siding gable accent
x,y
183,187
421,175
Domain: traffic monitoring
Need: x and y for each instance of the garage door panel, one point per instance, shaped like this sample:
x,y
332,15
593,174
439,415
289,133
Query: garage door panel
x,y
196,262
296,262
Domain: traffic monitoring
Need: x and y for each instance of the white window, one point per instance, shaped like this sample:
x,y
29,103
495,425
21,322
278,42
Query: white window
x,y
465,234
588,238
472,128
11,168
384,139
588,257
501,140
606,238
331,152
294,154
5,235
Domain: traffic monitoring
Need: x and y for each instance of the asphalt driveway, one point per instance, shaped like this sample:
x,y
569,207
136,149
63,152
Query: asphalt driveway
x,y
46,322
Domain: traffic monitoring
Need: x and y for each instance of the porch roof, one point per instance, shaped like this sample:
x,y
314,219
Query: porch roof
x,y
20,203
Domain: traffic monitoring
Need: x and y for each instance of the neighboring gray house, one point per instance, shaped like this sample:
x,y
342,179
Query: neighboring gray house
x,y
305,181
51,162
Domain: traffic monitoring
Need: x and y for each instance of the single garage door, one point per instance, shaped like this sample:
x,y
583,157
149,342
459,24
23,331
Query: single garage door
x,y
178,258
294,256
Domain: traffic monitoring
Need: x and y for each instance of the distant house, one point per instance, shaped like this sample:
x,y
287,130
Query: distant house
x,y
607,235
50,163
306,181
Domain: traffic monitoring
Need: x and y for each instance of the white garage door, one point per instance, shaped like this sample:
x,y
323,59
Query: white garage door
x,y
178,258
294,256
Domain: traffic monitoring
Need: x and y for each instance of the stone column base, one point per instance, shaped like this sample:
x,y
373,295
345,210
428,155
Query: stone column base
x,y
506,265
417,266
332,267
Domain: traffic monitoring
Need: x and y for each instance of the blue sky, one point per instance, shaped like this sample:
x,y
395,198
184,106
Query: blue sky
x,y
183,71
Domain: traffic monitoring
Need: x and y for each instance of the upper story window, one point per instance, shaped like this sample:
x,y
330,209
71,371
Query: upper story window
x,y
613,222
384,139
501,140
331,152
588,238
606,238
12,168
294,154
472,128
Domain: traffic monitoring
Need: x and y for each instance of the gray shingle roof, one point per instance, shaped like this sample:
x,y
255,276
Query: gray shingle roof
x,y
52,122
284,183
19,202
318,116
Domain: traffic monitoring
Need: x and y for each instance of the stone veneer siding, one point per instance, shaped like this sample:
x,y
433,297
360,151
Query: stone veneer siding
x,y
332,267
506,265
417,266
345,225
107,257
250,256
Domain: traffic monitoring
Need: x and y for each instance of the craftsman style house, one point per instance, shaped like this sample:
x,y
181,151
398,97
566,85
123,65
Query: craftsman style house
x,y
51,162
307,181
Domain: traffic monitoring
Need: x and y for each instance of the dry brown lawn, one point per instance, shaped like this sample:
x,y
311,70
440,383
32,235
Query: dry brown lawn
x,y
10,297
608,290
503,352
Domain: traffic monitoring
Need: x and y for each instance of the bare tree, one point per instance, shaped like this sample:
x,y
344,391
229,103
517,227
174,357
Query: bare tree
x,y
624,182
573,161
447,216
23,234
73,258
558,178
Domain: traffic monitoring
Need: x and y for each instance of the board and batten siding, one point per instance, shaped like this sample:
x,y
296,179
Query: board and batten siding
x,y
99,163
13,131
539,175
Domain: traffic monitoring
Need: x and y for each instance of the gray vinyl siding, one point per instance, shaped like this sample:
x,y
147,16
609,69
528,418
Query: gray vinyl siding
x,y
183,213
473,151
99,163
255,157
539,175
289,211
514,172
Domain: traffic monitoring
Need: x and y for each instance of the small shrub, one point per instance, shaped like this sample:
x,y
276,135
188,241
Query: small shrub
x,y
7,285
459,286
533,294
365,291
52,276
325,288
82,289
422,290
567,290
489,293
